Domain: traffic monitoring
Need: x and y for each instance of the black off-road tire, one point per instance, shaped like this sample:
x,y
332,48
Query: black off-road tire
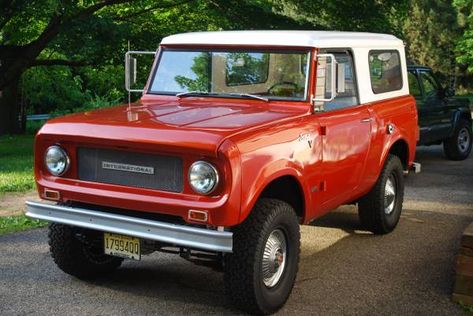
x,y
372,208
453,149
78,252
243,269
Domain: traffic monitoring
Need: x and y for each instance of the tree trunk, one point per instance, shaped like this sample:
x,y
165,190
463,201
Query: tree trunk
x,y
12,114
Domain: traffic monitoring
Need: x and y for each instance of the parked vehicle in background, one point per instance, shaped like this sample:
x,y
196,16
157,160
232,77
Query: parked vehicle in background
x,y
238,138
443,118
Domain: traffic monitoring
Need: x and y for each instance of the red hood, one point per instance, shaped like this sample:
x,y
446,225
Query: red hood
x,y
196,125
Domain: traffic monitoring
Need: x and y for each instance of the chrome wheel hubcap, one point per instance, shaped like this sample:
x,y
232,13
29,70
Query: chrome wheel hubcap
x,y
463,140
274,258
389,195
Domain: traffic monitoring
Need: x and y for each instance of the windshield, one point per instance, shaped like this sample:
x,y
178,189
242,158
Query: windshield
x,y
242,73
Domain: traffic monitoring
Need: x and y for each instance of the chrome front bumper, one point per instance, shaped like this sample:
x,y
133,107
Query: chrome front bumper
x,y
178,235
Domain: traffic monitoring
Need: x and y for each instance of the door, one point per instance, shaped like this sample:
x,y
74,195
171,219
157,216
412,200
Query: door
x,y
415,90
432,107
346,129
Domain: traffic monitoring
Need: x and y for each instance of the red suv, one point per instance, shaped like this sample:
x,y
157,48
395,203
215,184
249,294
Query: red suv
x,y
238,138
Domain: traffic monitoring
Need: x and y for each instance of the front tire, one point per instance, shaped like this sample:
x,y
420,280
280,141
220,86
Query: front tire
x,y
261,271
79,252
458,147
380,209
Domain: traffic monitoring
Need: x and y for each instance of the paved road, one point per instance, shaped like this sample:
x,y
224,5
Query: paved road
x,y
343,270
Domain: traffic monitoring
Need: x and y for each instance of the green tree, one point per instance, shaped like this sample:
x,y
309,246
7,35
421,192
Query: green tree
x,y
431,31
464,44
55,32
93,34
346,15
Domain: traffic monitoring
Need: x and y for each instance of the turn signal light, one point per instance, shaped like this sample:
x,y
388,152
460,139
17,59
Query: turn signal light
x,y
198,216
51,195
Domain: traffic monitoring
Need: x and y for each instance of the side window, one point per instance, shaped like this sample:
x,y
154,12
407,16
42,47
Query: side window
x,y
414,87
345,81
430,85
385,71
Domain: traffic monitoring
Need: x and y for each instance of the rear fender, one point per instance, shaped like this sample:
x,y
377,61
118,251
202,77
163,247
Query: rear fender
x,y
388,145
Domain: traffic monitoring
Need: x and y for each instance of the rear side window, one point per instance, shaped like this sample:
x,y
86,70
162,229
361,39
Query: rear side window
x,y
385,71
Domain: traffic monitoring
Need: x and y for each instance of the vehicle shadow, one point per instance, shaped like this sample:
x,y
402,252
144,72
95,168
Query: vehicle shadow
x,y
170,279
408,271
401,272
344,217
342,270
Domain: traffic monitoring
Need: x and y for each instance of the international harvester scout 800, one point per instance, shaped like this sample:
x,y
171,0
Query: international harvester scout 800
x,y
238,138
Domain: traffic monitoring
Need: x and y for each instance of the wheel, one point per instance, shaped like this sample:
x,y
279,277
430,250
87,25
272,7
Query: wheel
x,y
261,271
79,252
458,147
380,209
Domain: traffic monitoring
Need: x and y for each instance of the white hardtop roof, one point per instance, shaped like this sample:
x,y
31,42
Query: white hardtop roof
x,y
319,39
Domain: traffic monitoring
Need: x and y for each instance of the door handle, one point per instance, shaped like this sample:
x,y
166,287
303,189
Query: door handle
x,y
366,120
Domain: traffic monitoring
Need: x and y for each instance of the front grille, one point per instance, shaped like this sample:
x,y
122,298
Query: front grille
x,y
130,169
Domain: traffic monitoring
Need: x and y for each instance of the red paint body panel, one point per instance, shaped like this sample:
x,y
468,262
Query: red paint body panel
x,y
166,127
335,156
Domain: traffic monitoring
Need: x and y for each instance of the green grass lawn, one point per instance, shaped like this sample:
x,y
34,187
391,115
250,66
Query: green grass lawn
x,y
16,163
16,175
10,224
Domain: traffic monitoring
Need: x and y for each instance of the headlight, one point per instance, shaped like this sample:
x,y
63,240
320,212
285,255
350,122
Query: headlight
x,y
203,177
56,160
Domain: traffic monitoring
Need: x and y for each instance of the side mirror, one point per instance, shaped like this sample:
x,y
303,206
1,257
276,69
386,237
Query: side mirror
x,y
340,78
131,69
326,80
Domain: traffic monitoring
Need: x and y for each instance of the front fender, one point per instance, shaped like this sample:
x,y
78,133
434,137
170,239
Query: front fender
x,y
254,186
457,116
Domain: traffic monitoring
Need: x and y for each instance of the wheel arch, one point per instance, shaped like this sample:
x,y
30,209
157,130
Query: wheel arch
x,y
399,148
284,186
461,115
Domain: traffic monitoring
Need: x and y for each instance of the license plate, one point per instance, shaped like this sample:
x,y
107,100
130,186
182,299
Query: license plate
x,y
122,246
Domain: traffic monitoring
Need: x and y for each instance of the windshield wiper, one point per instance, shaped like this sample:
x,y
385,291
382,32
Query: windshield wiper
x,y
191,93
248,95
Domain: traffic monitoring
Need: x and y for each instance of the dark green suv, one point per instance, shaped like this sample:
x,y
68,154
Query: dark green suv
x,y
443,118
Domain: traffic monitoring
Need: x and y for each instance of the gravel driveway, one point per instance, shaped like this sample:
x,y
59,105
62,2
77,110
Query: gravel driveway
x,y
343,270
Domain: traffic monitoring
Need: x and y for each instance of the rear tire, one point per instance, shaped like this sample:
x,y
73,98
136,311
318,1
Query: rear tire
x,y
458,147
79,252
380,209
260,273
